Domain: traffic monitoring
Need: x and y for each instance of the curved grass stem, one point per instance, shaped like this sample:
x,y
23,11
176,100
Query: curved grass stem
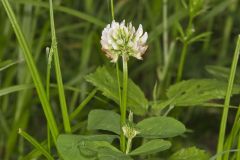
x,y
33,69
227,100
64,110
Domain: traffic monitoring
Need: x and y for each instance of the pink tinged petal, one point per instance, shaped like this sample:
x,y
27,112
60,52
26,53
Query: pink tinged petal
x,y
114,58
144,38
139,32
138,56
143,49
122,23
104,36
125,30
115,25
104,44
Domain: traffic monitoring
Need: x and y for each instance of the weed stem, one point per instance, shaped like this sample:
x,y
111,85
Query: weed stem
x,y
227,101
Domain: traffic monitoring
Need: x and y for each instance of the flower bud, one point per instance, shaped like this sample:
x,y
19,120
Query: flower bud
x,y
129,131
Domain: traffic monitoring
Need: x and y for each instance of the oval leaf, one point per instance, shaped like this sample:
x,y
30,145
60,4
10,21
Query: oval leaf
x,y
190,154
160,127
100,119
152,146
76,147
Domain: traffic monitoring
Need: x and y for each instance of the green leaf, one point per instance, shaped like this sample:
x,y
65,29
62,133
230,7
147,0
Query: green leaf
x,y
105,79
8,63
15,88
152,146
108,154
221,73
200,37
75,147
104,120
190,154
160,127
196,92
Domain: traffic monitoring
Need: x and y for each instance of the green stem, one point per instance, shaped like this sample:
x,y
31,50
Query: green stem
x,y
124,100
182,61
112,10
83,104
227,100
121,101
62,99
122,138
165,31
238,147
35,144
33,70
49,62
129,146
233,134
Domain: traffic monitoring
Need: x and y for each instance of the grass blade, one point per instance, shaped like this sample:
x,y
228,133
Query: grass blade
x,y
32,68
35,144
54,49
227,100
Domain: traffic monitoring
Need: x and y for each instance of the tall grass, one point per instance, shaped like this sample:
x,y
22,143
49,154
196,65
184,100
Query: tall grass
x,y
73,37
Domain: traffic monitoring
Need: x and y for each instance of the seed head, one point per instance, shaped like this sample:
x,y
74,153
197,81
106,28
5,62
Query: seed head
x,y
120,39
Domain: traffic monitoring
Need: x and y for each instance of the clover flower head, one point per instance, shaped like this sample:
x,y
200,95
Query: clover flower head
x,y
129,131
120,39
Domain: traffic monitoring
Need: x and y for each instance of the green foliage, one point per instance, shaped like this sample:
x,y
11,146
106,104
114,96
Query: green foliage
x,y
221,73
191,153
195,91
105,79
160,127
23,71
152,146
195,7
108,154
104,120
75,147
6,64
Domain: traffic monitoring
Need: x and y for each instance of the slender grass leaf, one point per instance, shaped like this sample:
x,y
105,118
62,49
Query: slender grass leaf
x,y
36,144
54,48
8,63
33,69
66,10
15,88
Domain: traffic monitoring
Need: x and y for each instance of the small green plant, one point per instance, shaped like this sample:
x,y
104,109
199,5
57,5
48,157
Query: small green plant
x,y
108,116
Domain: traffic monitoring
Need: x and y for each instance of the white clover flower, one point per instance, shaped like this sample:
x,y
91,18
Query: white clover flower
x,y
119,39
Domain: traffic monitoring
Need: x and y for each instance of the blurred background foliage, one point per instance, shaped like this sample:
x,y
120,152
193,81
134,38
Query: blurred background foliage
x,y
78,27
